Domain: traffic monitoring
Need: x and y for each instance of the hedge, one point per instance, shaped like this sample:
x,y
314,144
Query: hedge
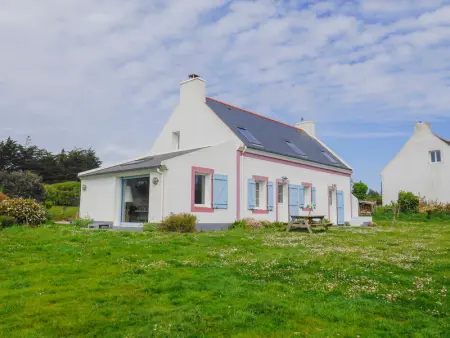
x,y
63,194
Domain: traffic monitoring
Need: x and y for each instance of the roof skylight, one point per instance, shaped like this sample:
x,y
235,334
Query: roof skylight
x,y
248,135
296,149
329,157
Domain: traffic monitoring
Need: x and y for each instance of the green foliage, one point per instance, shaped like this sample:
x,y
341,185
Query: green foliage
x,y
238,225
360,190
179,223
3,197
251,223
408,202
25,211
150,227
63,194
61,167
82,222
7,221
61,281
375,196
22,184
59,213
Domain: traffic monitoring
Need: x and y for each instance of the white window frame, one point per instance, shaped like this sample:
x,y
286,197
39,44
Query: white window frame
x,y
307,192
260,195
206,189
435,152
176,140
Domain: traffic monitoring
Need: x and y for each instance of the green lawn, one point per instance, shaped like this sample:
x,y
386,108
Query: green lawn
x,y
63,213
371,282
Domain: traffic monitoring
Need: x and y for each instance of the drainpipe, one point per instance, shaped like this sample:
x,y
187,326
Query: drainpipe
x,y
162,192
242,182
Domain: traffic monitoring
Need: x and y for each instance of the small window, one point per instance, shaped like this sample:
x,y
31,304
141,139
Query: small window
x,y
280,193
329,157
248,135
296,149
200,189
176,140
435,156
257,194
307,190
330,197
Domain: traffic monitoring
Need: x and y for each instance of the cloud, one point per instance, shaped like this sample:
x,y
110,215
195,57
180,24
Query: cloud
x,y
106,73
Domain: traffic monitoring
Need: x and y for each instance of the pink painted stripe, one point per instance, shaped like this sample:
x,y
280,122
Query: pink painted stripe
x,y
305,184
195,208
294,164
238,185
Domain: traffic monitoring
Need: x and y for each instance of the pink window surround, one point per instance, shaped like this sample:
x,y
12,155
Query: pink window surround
x,y
264,179
196,208
280,181
307,184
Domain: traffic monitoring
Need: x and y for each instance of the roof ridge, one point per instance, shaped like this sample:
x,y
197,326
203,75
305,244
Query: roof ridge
x,y
250,112
442,139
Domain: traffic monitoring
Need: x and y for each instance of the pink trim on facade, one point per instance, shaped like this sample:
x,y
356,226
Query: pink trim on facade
x,y
294,164
332,188
195,208
307,209
306,184
265,179
238,185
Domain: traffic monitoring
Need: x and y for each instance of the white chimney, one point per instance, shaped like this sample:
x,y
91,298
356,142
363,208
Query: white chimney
x,y
193,90
421,127
308,127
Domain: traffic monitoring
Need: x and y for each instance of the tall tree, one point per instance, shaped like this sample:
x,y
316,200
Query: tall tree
x,y
360,190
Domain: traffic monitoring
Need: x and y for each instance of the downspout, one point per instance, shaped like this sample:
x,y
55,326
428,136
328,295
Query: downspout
x,y
162,192
242,182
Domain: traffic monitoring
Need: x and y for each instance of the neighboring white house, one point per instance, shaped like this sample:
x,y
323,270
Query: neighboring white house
x,y
422,167
223,164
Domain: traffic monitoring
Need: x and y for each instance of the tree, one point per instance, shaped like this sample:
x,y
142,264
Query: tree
x,y
22,184
375,196
360,190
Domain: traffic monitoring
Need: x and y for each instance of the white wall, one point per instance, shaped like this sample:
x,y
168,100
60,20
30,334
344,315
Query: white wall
x,y
355,207
98,201
198,125
295,175
178,181
411,169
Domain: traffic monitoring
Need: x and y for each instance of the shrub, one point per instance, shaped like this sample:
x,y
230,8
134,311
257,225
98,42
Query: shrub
x,y
7,221
3,197
22,185
408,202
251,223
63,194
25,211
179,223
82,222
150,227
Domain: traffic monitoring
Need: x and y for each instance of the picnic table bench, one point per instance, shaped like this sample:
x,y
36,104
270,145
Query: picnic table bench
x,y
307,222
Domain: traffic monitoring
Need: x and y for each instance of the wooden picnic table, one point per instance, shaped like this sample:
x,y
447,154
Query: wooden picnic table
x,y
307,222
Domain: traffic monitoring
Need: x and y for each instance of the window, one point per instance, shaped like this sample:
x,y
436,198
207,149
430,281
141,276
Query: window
x,y
280,193
307,196
330,197
296,149
257,194
248,135
135,199
176,140
435,156
329,157
200,189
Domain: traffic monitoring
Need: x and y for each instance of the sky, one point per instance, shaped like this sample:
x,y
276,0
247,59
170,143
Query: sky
x,y
105,74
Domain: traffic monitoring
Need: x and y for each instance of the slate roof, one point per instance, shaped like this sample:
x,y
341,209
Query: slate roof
x,y
272,135
147,162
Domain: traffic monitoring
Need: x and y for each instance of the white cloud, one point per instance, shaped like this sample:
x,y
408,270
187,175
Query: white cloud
x,y
106,73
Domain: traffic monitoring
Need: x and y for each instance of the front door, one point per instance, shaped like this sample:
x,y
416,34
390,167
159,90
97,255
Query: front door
x,y
293,200
340,207
282,203
135,200
332,209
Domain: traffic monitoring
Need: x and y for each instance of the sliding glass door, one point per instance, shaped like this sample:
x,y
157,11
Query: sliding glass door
x,y
135,199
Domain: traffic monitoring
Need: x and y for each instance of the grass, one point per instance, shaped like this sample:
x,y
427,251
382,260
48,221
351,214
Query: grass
x,y
348,282
59,213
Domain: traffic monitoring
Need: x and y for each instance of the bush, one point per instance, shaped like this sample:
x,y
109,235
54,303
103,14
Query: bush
x,y
22,185
25,211
82,222
7,221
150,227
179,223
254,224
63,194
3,197
408,202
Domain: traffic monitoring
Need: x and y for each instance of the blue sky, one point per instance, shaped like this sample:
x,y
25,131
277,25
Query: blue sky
x,y
106,73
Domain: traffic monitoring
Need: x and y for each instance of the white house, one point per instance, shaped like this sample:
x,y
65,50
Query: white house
x,y
422,167
222,163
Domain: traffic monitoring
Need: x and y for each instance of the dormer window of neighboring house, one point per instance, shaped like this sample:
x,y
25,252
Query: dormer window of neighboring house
x,y
435,156
176,140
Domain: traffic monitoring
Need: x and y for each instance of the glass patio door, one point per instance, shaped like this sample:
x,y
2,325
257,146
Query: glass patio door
x,y
135,199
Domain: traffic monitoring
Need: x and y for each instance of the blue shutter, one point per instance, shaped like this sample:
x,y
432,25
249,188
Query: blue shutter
x,y
301,196
314,197
251,194
220,190
340,207
270,195
293,200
